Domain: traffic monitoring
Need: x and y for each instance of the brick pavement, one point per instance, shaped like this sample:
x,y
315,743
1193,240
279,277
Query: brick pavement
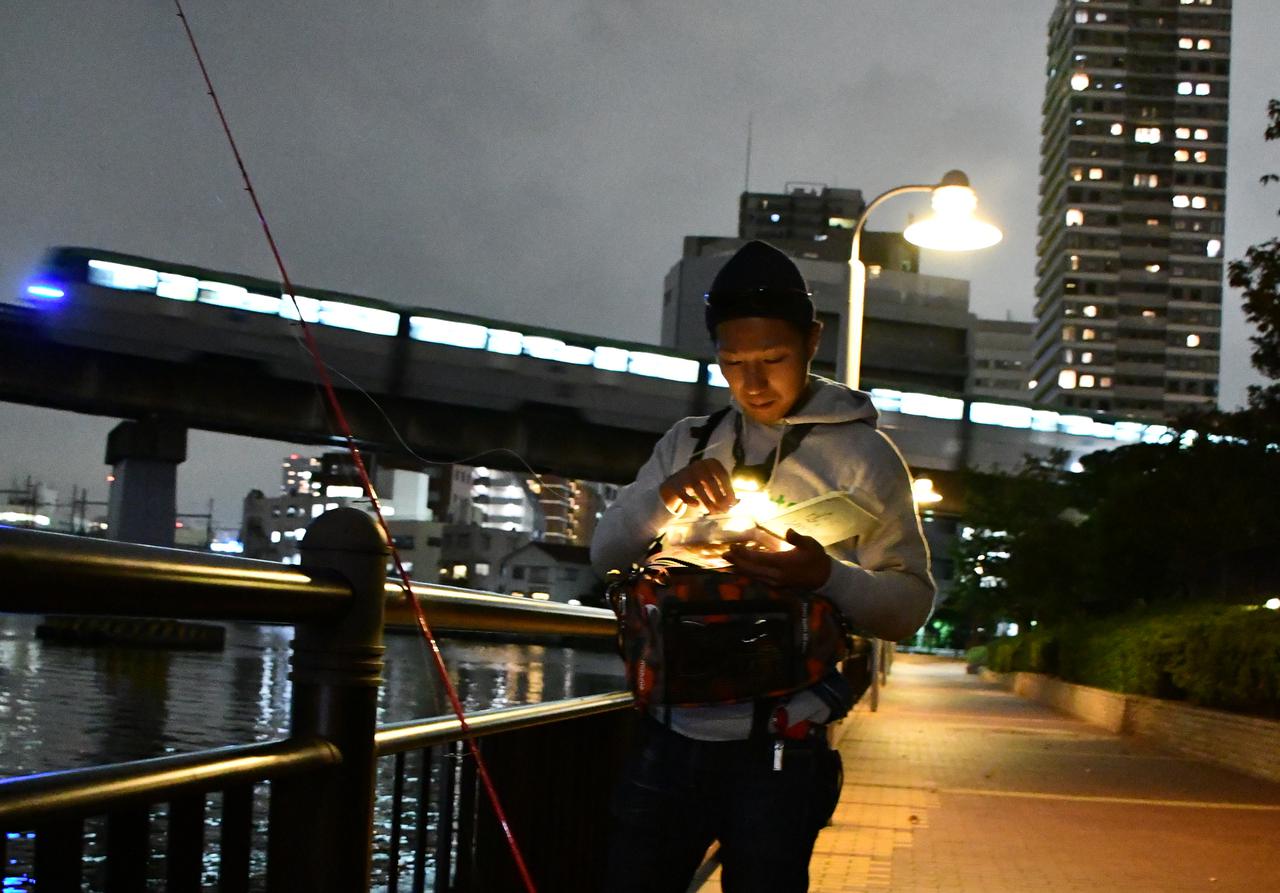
x,y
958,785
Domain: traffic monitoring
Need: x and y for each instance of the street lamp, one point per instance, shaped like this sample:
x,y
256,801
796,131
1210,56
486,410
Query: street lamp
x,y
951,227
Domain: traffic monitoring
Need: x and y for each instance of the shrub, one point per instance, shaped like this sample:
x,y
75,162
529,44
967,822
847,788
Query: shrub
x,y
1215,656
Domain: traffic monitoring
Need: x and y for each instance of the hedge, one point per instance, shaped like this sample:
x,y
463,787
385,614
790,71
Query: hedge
x,y
1223,656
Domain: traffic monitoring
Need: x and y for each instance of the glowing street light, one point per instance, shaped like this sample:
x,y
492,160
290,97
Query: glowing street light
x,y
951,227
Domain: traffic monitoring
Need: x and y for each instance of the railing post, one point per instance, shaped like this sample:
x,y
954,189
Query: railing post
x,y
321,828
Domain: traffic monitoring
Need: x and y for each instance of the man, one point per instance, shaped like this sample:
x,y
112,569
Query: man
x,y
716,773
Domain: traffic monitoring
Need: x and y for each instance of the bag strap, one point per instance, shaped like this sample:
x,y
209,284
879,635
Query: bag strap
x,y
703,432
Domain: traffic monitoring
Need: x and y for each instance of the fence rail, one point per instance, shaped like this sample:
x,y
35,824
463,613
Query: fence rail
x,y
550,761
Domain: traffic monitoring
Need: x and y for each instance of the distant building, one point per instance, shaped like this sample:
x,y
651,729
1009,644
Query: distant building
x,y
1132,202
471,556
549,572
1001,359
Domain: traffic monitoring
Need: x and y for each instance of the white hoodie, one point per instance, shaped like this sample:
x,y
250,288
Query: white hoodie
x,y
881,584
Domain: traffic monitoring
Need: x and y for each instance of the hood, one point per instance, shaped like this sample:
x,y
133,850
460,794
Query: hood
x,y
830,403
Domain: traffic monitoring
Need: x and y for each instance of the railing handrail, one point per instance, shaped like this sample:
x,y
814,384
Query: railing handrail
x,y
108,578
417,733
96,789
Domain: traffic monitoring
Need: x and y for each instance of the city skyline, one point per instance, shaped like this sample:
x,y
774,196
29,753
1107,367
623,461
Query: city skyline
x,y
470,162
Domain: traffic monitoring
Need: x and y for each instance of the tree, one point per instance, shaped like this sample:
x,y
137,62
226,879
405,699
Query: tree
x,y
1257,274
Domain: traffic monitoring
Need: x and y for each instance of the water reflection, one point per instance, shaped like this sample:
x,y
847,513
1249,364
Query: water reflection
x,y
63,706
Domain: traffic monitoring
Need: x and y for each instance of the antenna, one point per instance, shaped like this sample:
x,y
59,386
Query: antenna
x,y
746,180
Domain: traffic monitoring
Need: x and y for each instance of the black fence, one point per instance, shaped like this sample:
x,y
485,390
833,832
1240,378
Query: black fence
x,y
299,813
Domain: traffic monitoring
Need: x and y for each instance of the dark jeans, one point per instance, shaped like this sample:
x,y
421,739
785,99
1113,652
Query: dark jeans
x,y
677,795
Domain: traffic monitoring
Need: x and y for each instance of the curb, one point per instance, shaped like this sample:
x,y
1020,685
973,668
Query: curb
x,y
1246,744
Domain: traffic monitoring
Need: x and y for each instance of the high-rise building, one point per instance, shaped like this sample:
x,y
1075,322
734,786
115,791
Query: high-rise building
x,y
1132,201
1000,356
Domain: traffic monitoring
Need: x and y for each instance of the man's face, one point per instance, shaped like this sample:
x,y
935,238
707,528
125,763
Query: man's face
x,y
766,362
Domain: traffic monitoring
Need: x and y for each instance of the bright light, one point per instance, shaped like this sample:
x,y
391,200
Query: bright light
x,y
923,493
1193,340
715,377
953,227
1213,247
1079,81
1011,629
1272,603
340,491
45,291
611,359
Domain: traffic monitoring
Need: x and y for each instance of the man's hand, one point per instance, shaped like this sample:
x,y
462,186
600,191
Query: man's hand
x,y
807,566
705,483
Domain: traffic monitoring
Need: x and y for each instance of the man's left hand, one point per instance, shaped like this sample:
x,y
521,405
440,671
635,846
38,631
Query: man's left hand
x,y
807,566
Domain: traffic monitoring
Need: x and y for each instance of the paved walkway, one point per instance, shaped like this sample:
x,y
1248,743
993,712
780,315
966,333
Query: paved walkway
x,y
957,785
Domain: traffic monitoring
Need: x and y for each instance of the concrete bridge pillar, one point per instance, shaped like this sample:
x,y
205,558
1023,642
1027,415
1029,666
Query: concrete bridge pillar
x,y
144,456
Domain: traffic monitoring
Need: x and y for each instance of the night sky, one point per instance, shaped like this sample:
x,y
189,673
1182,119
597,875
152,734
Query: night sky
x,y
538,162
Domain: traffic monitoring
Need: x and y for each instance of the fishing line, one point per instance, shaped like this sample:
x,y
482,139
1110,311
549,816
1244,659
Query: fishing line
x,y
345,429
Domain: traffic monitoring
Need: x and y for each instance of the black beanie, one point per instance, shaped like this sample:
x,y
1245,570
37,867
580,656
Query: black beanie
x,y
759,280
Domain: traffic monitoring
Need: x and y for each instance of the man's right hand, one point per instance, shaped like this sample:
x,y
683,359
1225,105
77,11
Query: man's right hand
x,y
704,482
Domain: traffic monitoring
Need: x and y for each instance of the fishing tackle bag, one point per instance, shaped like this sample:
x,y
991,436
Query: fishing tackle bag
x,y
697,636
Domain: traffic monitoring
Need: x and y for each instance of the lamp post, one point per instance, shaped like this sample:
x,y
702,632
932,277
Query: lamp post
x,y
952,227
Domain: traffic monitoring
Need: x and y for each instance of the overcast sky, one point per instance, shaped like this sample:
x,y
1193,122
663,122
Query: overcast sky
x,y
534,161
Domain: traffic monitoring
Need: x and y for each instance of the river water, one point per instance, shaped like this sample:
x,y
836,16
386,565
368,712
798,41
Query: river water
x,y
65,706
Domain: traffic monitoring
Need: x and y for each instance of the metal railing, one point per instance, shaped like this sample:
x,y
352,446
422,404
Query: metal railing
x,y
311,825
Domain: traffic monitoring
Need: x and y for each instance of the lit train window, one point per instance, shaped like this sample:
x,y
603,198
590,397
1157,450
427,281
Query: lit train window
x,y
611,359
1000,414
544,348
220,294
932,406
176,287
359,318
123,276
715,377
447,331
655,365
506,341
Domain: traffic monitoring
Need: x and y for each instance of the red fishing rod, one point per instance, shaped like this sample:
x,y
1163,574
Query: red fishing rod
x,y
331,397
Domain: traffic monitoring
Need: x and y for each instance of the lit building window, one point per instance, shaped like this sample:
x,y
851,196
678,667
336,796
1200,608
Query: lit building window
x,y
1095,173
1117,129
1201,156
1077,174
1181,155
1153,268
1079,81
1151,181
1104,381
1193,340
1068,333
482,568
1148,314
1075,261
1204,43
1153,221
1202,133
1090,310
459,571
1185,88
1088,334
1075,217
775,218
1067,379
1182,201
1087,357
1198,202
1146,135
1213,247
1182,133
1086,381
1081,18
1185,43
1202,89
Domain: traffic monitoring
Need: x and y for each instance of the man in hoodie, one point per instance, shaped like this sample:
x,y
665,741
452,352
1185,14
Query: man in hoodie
x,y
701,774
